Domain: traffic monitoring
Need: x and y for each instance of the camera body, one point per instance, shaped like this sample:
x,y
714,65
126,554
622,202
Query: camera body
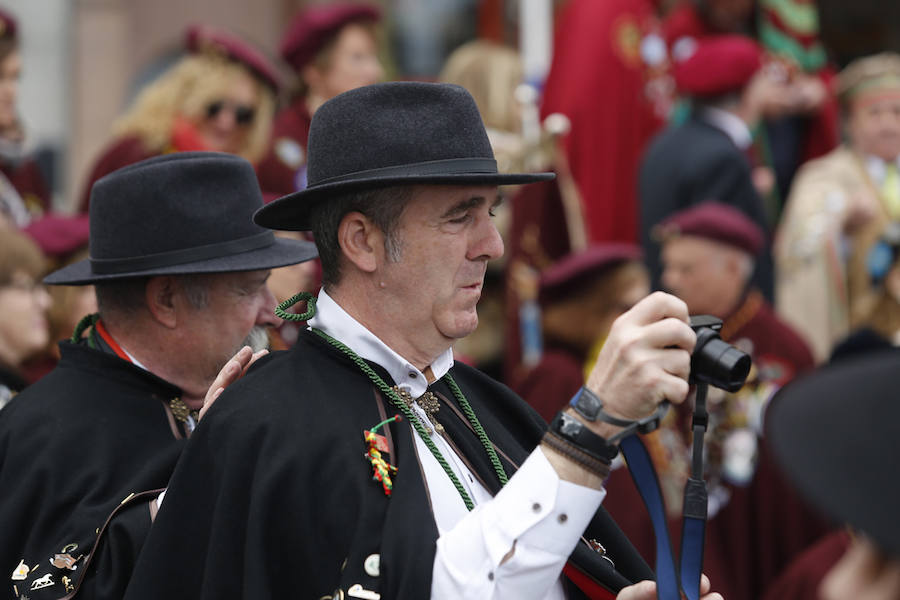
x,y
715,362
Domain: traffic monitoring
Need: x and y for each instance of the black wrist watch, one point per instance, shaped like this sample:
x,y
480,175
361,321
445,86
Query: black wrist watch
x,y
577,433
587,404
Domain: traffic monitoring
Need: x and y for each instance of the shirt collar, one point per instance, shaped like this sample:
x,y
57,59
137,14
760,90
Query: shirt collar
x,y
730,124
336,322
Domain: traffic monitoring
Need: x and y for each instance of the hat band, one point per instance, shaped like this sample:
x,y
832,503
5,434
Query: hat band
x,y
447,166
113,266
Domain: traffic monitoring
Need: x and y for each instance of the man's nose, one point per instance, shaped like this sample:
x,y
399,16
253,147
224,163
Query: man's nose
x,y
266,315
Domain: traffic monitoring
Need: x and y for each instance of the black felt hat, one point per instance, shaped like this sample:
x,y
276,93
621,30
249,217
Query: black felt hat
x,y
835,432
178,214
400,133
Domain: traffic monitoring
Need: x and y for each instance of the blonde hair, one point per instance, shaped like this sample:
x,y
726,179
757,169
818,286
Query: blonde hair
x,y
185,90
491,73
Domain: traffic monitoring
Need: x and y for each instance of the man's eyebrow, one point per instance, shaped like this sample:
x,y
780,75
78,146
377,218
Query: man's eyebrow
x,y
461,207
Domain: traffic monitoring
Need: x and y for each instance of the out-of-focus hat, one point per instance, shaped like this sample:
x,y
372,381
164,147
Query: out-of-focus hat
x,y
714,221
835,434
879,73
399,133
8,25
718,65
59,235
178,214
311,29
205,38
575,269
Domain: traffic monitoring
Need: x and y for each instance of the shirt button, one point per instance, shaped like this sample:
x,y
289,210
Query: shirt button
x,y
536,507
491,576
412,375
563,518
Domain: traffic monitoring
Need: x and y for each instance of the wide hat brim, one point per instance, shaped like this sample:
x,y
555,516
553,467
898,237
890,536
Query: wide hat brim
x,y
835,434
280,253
292,212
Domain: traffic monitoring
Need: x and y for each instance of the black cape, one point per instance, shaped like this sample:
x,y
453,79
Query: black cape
x,y
73,446
273,496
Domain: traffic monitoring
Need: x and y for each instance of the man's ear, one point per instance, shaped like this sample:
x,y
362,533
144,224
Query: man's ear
x,y
361,241
160,298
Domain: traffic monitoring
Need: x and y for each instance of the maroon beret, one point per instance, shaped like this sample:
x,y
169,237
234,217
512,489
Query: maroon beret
x,y
59,235
8,25
573,270
205,38
311,29
714,221
718,65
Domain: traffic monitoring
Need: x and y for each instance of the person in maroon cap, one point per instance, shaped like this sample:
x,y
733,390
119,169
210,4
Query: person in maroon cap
x,y
704,158
756,523
219,97
23,192
333,49
580,296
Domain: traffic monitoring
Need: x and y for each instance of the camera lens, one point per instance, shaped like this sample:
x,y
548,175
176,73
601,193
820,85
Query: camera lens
x,y
718,363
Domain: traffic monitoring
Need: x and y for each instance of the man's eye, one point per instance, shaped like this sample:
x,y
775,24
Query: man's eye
x,y
492,211
460,220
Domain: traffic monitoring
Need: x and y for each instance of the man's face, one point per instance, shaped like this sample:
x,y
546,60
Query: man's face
x,y
238,302
862,572
446,238
875,124
352,63
694,269
10,71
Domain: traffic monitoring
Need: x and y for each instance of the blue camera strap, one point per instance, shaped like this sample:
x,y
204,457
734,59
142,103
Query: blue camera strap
x,y
671,582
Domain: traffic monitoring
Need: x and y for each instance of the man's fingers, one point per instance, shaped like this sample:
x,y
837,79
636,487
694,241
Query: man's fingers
x,y
644,590
256,356
658,306
704,584
670,333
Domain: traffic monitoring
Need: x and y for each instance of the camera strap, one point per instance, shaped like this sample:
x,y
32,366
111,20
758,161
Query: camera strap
x,y
671,582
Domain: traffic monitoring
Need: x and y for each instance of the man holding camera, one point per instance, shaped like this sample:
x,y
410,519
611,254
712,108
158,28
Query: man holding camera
x,y
301,479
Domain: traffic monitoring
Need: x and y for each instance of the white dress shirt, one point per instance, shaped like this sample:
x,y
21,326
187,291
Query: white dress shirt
x,y
730,124
534,522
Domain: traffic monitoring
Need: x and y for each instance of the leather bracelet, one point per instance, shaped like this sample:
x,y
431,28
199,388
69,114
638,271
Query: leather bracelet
x,y
577,433
568,450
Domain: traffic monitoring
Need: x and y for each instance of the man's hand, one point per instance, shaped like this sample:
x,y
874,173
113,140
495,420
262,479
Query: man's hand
x,y
233,370
646,359
646,590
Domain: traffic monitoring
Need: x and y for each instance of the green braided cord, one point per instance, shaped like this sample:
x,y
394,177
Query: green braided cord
x,y
406,410
479,430
84,323
420,429
281,309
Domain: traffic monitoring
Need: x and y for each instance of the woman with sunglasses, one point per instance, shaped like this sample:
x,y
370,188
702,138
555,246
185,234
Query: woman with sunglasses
x,y
219,97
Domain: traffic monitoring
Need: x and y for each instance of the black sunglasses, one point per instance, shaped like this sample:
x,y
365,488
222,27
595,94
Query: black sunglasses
x,y
243,114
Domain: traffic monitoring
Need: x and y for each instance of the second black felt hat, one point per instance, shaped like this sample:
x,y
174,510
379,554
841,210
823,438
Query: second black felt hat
x,y
400,133
178,214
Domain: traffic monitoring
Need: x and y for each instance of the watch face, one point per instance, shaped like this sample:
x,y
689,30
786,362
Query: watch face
x,y
588,404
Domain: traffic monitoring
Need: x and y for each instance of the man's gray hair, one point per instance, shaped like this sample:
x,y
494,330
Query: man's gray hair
x,y
383,206
124,298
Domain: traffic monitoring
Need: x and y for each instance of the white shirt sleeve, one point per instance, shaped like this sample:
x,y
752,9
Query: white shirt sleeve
x,y
536,519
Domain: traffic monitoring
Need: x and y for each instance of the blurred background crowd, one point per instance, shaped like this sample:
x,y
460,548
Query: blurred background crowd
x,y
741,154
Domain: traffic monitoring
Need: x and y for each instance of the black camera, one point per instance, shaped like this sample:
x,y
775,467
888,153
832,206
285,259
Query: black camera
x,y
714,361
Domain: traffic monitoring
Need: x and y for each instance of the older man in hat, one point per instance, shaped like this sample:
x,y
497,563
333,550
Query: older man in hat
x,y
180,276
756,523
704,157
839,206
365,463
332,48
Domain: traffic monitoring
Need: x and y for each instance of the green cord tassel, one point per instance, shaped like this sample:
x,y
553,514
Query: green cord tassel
x,y
281,309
